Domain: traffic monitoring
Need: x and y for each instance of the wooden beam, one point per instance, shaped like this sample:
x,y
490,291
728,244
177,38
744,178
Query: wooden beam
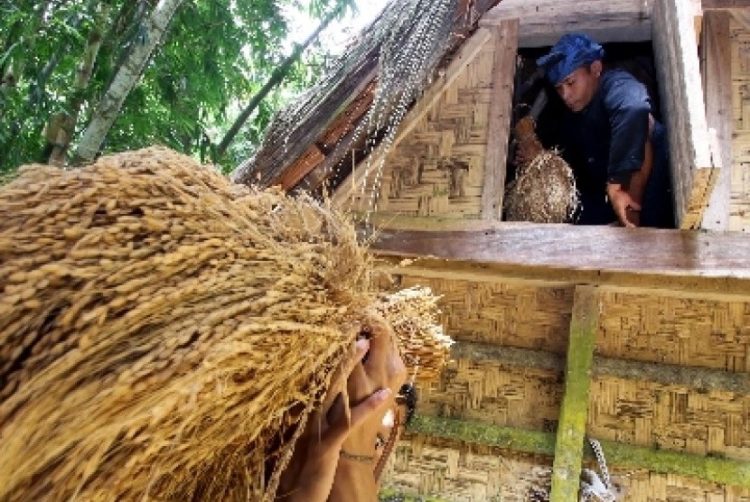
x,y
716,51
725,4
571,428
714,470
676,51
505,39
689,377
662,258
342,127
543,22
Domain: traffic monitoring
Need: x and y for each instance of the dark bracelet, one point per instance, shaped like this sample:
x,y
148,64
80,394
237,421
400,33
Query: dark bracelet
x,y
365,459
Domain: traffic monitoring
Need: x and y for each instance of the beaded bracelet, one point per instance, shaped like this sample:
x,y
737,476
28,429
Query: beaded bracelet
x,y
365,459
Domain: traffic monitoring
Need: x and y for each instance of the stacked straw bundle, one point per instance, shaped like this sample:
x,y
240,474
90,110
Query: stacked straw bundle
x,y
164,334
544,190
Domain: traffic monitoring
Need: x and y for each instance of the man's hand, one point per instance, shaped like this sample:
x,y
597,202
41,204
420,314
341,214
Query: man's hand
x,y
622,204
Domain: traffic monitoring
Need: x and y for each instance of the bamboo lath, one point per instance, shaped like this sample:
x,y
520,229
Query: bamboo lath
x,y
495,393
740,203
438,168
524,314
454,471
671,417
644,486
472,473
667,327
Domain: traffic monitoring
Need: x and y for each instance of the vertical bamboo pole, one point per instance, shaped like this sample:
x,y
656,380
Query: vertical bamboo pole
x,y
571,429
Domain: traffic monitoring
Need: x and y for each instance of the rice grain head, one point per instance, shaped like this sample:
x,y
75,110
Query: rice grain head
x,y
164,333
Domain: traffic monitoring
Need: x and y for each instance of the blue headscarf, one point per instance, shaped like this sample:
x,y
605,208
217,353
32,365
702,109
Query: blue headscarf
x,y
571,52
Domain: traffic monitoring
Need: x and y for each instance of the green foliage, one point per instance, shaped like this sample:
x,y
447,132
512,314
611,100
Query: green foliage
x,y
217,54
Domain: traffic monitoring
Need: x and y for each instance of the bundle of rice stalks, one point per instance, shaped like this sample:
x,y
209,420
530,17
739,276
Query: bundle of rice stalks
x,y
544,190
164,333
413,315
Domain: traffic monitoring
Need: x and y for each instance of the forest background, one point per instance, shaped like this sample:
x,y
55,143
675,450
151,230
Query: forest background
x,y
204,77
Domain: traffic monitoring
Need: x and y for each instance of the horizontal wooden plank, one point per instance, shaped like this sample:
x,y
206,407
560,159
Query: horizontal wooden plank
x,y
543,22
716,470
725,4
701,379
663,258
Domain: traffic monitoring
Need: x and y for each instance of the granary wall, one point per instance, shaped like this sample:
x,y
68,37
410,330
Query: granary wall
x,y
437,167
668,376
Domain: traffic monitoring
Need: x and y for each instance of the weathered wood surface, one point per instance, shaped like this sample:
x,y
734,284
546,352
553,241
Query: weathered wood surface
x,y
543,22
725,4
661,258
319,155
500,113
571,427
740,65
675,49
717,82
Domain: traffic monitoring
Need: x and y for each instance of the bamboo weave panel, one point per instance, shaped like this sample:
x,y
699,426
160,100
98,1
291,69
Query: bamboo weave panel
x,y
453,471
740,203
670,417
488,392
438,168
681,330
431,466
645,486
518,314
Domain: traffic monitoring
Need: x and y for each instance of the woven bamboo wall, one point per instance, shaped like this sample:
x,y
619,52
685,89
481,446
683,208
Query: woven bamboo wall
x,y
524,314
670,417
676,328
476,473
490,392
645,486
740,205
438,169
642,326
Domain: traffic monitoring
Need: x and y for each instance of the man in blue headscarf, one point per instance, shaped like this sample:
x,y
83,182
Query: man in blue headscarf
x,y
622,169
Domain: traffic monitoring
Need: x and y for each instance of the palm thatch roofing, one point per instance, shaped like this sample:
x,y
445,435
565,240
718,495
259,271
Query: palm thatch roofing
x,y
311,142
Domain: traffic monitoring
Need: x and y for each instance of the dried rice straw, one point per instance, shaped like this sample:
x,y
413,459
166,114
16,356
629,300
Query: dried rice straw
x,y
544,190
165,333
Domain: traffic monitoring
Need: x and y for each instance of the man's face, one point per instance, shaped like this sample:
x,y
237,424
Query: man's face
x,y
578,88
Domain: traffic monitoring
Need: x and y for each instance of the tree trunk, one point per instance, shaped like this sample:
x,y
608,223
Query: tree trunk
x,y
275,79
125,79
59,138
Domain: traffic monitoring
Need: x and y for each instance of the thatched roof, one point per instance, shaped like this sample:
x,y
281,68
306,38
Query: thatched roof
x,y
307,140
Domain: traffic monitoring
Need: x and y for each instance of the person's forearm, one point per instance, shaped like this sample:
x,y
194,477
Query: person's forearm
x,y
354,481
640,178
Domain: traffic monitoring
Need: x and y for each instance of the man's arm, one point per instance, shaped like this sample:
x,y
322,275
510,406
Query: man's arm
x,y
626,199
630,156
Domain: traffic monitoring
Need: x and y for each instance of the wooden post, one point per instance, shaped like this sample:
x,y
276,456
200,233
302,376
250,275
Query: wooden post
x,y
571,429
717,69
505,39
681,89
